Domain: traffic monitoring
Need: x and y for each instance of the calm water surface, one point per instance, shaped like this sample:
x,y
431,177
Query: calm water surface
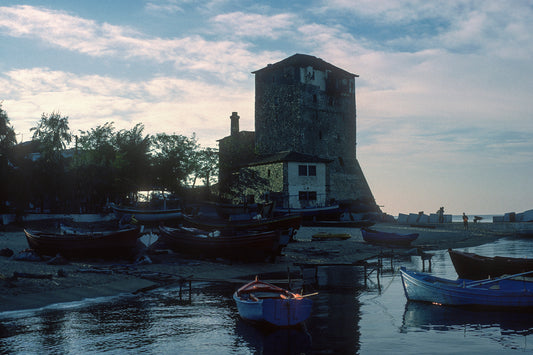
x,y
349,319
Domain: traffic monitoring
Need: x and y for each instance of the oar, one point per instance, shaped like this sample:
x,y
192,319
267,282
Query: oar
x,y
478,283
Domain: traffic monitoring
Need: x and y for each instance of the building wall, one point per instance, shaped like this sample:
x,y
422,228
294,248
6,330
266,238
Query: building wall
x,y
308,106
299,183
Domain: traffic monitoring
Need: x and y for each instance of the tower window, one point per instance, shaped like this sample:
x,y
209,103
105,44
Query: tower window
x,y
314,98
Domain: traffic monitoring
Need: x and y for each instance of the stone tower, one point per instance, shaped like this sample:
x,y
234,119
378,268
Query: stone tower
x,y
307,105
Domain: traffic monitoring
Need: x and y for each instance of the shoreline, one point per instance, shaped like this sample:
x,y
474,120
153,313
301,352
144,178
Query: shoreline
x,y
93,279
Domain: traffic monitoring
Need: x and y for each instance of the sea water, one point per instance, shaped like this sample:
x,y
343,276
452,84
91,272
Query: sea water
x,y
349,317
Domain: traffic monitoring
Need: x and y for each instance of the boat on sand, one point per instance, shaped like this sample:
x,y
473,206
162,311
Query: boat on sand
x,y
240,246
105,244
386,238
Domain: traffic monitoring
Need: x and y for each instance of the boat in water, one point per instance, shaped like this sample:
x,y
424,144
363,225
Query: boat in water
x,y
477,267
512,291
262,302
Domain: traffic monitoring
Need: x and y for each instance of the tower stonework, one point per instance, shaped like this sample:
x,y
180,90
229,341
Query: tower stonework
x,y
307,105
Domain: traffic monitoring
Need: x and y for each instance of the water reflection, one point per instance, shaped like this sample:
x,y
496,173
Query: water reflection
x,y
334,323
269,340
425,316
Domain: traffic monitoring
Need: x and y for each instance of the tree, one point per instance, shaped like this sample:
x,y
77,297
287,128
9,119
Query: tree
x,y
206,165
173,160
53,133
50,181
93,165
7,134
7,142
132,161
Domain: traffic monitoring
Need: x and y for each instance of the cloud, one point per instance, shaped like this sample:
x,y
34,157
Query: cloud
x,y
223,59
163,104
252,25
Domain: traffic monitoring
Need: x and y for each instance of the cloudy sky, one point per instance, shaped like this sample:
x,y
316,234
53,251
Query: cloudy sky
x,y
444,97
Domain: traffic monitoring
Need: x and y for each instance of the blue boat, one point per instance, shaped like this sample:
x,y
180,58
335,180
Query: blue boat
x,y
514,291
269,304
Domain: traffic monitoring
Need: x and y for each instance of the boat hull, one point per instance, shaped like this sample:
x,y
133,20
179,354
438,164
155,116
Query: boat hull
x,y
149,216
491,293
249,246
477,267
385,238
266,303
313,213
276,312
276,223
98,244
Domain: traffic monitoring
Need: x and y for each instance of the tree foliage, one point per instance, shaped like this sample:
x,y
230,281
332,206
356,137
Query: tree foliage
x,y
82,173
53,133
173,160
7,142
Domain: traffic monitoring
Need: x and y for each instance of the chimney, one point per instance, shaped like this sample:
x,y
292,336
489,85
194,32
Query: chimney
x,y
234,123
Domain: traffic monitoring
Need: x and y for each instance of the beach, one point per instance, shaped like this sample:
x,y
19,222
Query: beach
x,y
39,284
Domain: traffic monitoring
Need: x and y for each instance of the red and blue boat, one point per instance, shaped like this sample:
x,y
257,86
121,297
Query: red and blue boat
x,y
265,303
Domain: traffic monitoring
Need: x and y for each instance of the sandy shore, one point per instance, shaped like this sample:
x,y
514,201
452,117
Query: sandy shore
x,y
80,280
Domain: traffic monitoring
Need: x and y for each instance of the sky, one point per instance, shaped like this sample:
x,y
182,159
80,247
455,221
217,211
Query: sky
x,y
444,93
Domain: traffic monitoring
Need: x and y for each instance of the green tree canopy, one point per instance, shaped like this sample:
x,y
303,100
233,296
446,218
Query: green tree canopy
x,y
53,133
7,133
173,160
132,160
206,165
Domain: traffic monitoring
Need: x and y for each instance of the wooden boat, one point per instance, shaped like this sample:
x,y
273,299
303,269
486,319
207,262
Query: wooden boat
x,y
385,238
513,291
262,302
242,246
147,216
524,233
476,267
286,222
106,244
345,224
332,212
330,236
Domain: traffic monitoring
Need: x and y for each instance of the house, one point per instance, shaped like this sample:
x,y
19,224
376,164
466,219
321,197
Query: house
x,y
304,106
294,180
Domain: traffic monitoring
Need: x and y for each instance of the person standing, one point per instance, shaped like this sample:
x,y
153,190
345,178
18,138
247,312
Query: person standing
x,y
465,220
